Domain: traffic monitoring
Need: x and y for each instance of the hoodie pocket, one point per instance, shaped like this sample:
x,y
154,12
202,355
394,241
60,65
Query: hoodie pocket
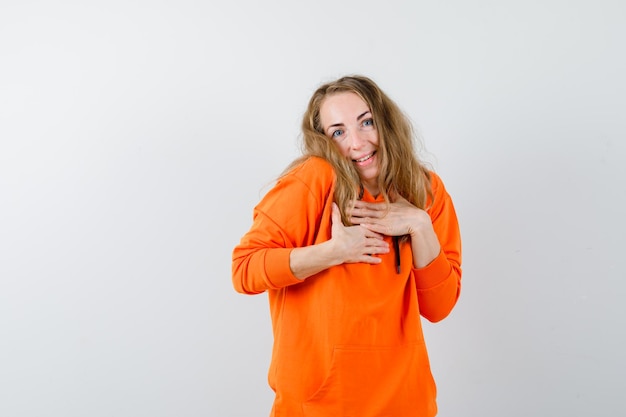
x,y
375,382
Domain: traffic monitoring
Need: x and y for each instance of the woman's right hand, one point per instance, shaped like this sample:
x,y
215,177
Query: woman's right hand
x,y
354,244
347,244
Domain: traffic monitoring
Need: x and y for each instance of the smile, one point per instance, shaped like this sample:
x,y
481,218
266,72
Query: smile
x,y
365,158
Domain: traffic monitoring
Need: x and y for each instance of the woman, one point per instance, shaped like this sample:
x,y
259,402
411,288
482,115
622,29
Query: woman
x,y
355,241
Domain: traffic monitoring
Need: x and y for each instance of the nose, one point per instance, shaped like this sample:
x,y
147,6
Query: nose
x,y
357,139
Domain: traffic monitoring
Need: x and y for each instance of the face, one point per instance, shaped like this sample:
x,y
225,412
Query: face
x,y
347,120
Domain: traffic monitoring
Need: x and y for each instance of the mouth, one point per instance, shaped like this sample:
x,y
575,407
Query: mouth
x,y
365,158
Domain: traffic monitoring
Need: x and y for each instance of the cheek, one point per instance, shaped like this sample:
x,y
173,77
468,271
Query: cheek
x,y
374,138
344,148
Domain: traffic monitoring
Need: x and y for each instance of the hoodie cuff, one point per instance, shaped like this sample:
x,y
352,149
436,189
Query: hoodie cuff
x,y
277,270
434,273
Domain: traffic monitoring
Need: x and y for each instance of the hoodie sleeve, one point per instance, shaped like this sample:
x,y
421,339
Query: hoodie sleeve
x,y
287,217
439,283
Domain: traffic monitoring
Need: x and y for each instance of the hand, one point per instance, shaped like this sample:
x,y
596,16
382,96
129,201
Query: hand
x,y
354,244
395,219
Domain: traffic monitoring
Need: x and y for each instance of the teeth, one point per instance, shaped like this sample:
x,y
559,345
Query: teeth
x,y
365,158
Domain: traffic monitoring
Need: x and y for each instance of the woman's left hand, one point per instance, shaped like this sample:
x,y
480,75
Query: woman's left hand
x,y
396,219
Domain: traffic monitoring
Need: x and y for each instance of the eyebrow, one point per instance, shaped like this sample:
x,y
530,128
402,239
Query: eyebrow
x,y
362,115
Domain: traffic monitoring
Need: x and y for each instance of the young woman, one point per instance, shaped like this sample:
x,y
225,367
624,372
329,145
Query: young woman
x,y
355,241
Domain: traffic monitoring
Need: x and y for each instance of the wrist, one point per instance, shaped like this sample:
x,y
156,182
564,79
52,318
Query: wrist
x,y
421,224
330,253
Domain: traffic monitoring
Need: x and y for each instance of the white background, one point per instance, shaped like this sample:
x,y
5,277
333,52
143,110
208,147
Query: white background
x,y
136,137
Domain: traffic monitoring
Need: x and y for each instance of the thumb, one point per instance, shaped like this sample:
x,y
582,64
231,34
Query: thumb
x,y
336,215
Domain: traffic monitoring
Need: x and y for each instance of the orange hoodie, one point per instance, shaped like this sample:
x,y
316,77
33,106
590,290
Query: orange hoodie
x,y
347,341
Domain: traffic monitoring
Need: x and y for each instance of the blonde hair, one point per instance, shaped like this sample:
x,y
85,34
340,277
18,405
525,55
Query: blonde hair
x,y
400,170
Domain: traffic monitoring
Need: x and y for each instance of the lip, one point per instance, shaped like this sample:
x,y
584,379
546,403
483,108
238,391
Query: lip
x,y
364,158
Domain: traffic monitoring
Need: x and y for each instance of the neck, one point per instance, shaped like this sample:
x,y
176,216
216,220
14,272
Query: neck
x,y
372,189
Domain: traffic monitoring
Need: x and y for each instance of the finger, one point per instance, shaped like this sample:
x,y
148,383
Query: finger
x,y
377,246
363,215
358,204
369,259
357,220
380,229
377,250
372,226
373,235
367,232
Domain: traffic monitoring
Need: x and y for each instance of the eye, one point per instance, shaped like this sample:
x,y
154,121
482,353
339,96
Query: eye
x,y
337,133
368,123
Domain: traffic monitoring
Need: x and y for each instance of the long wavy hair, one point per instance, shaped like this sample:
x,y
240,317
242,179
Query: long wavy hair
x,y
400,169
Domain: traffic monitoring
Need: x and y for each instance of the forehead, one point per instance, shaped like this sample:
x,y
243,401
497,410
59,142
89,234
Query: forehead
x,y
341,108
